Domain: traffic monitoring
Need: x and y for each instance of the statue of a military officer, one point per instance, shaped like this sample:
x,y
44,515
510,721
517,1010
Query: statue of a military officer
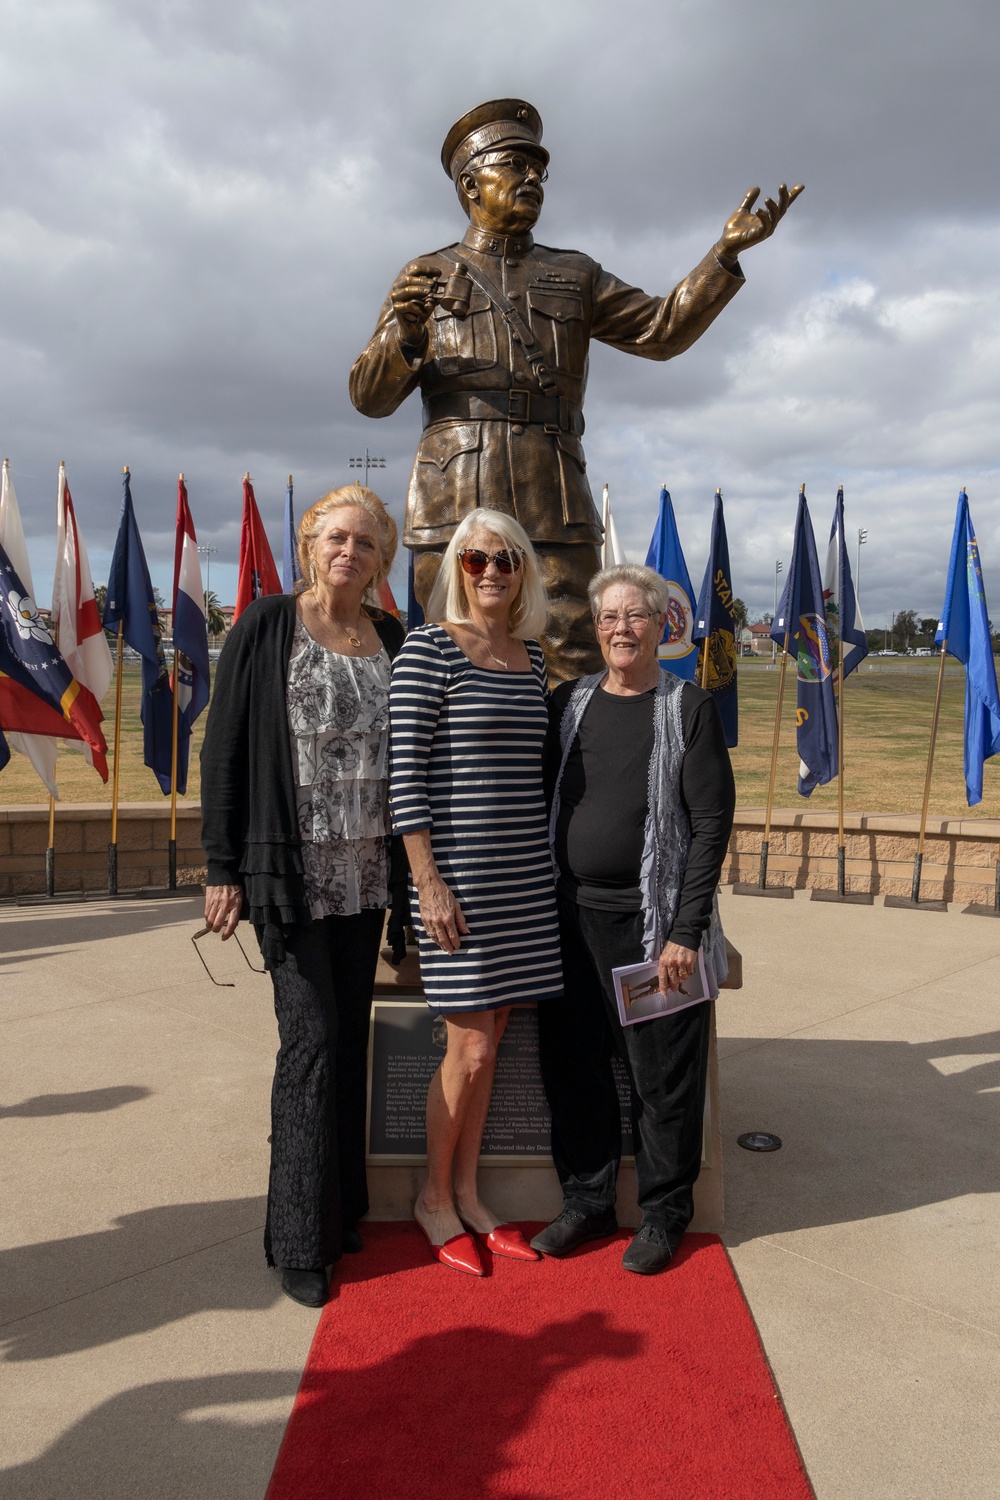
x,y
495,333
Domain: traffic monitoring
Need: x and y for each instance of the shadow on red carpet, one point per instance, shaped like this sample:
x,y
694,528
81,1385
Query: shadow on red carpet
x,y
557,1380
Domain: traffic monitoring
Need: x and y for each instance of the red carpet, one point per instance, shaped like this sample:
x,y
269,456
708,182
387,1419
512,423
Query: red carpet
x,y
563,1380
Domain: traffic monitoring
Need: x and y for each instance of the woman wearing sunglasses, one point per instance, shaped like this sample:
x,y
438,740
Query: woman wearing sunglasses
x,y
468,714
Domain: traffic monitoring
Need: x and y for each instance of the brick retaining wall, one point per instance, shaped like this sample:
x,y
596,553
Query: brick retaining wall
x,y
959,853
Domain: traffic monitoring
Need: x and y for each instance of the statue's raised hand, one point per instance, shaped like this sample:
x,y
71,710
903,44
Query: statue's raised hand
x,y
412,296
748,226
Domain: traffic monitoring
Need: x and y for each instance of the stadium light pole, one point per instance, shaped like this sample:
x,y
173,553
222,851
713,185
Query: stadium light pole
x,y
208,553
366,463
774,611
862,538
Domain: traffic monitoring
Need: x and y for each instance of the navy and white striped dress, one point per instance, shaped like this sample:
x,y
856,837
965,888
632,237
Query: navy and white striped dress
x,y
467,763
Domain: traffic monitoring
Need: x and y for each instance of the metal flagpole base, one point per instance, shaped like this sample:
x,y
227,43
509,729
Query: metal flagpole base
x,y
907,903
979,910
778,892
846,898
112,869
50,872
172,864
60,898
158,892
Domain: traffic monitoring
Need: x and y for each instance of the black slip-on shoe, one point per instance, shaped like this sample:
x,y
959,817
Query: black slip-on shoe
x,y
651,1250
572,1229
351,1242
308,1287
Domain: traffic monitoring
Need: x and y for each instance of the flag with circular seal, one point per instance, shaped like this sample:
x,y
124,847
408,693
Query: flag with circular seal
x,y
677,651
800,627
716,626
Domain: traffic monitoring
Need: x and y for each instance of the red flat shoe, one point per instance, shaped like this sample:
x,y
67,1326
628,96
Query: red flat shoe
x,y
507,1239
459,1252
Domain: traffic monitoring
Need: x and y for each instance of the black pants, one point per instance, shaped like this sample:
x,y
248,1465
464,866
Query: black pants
x,y
323,1000
667,1062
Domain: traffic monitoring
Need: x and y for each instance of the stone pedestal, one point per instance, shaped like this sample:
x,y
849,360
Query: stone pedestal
x,y
529,1189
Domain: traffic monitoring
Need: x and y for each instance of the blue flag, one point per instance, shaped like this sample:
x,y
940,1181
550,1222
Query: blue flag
x,y
414,614
715,625
802,618
677,653
290,570
964,628
843,617
130,600
38,692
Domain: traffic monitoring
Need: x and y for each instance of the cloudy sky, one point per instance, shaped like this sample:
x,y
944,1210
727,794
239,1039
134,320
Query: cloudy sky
x,y
202,206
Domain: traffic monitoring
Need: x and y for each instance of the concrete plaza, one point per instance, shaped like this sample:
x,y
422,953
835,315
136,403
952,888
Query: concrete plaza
x,y
149,1353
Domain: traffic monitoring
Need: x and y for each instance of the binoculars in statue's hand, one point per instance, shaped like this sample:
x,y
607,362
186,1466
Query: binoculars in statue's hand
x,y
454,294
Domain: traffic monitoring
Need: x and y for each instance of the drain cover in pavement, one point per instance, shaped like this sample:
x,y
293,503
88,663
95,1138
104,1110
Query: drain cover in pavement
x,y
759,1140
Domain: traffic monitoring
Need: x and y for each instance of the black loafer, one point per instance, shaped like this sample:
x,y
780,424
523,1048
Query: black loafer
x,y
351,1242
651,1250
572,1229
308,1287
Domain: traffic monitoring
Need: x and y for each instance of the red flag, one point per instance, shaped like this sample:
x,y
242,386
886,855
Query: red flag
x,y
74,612
258,575
386,599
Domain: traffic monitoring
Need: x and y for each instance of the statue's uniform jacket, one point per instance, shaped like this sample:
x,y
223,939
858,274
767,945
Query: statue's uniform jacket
x,y
533,469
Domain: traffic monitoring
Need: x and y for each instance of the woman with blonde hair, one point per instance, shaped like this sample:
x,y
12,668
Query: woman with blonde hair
x,y
468,709
294,776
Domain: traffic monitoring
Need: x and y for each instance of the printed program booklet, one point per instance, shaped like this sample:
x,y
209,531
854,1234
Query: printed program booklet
x,y
637,990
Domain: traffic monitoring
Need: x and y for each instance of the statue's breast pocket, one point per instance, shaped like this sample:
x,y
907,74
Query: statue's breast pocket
x,y
469,343
558,324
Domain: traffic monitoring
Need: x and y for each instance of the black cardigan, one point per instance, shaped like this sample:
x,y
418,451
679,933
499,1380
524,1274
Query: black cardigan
x,y
249,822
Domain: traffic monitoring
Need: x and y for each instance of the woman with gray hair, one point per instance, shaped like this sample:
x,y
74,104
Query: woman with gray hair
x,y
468,711
642,801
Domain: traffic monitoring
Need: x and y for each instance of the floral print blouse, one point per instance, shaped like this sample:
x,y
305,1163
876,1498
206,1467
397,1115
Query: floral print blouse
x,y
338,720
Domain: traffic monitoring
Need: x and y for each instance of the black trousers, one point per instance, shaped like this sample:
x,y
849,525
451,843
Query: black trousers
x,y
667,1063
323,1000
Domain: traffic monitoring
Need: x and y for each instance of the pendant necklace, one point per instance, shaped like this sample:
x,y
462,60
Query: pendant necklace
x,y
499,661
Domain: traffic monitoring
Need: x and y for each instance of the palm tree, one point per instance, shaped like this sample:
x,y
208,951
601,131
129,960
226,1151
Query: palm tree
x,y
214,617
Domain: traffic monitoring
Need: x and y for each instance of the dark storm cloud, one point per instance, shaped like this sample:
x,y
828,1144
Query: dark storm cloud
x,y
203,207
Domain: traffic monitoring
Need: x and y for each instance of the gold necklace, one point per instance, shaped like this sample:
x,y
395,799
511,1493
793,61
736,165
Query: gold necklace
x,y
352,635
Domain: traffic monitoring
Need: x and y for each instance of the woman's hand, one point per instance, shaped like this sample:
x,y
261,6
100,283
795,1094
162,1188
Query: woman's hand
x,y
222,908
676,965
441,914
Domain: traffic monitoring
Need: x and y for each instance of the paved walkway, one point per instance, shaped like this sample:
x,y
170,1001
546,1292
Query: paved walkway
x,y
148,1352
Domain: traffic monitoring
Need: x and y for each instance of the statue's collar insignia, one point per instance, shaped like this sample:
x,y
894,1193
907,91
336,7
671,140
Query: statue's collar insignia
x,y
497,244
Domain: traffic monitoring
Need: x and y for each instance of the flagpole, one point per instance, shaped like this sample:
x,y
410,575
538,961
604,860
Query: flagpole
x,y
746,888
113,846
841,851
172,846
919,858
50,848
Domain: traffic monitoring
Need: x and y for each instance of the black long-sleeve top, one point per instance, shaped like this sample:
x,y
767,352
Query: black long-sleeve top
x,y
604,800
249,822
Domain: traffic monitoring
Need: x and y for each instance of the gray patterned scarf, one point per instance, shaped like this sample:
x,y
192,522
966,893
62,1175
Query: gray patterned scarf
x,y
667,834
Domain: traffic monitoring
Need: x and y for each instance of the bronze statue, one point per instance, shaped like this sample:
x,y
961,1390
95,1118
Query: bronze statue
x,y
495,333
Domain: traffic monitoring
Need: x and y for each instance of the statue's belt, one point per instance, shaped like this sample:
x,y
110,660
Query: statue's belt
x,y
520,407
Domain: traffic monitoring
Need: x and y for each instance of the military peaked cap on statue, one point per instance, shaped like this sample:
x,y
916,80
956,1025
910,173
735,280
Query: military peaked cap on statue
x,y
488,127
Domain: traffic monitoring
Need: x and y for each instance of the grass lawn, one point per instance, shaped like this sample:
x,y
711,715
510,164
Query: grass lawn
x,y
887,725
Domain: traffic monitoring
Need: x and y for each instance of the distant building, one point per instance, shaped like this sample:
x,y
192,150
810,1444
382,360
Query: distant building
x,y
757,640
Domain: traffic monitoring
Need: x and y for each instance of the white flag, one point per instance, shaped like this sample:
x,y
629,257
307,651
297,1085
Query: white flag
x,y
612,553
74,609
41,749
